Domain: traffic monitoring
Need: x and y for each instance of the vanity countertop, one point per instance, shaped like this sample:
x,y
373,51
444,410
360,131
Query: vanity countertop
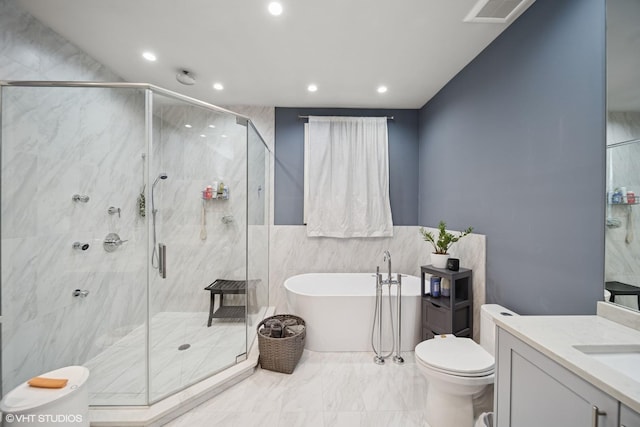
x,y
555,336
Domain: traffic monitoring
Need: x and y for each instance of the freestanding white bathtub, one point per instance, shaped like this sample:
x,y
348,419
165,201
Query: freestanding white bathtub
x,y
338,309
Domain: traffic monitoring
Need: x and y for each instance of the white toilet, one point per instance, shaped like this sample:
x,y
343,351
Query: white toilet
x,y
26,406
457,369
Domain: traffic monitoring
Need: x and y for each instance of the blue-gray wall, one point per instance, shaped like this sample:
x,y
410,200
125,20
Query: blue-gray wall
x,y
289,158
514,146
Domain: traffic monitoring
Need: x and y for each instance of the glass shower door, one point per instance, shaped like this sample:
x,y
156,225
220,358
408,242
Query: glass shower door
x,y
201,221
72,173
258,196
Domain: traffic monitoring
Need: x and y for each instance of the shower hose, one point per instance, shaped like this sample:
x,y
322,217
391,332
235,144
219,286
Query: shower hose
x,y
378,315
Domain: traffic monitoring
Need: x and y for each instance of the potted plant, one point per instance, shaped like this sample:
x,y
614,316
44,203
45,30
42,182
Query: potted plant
x,y
440,256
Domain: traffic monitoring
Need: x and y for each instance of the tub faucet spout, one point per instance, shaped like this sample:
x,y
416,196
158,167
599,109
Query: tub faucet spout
x,y
387,259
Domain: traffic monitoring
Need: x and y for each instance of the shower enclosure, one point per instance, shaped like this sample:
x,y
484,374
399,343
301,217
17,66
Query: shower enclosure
x,y
622,243
82,243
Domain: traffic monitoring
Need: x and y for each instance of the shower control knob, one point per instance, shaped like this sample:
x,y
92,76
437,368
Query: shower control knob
x,y
113,210
112,242
80,293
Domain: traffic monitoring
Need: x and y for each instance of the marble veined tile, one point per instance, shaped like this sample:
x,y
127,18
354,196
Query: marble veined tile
x,y
228,419
61,141
303,397
292,253
395,419
622,126
344,419
275,399
301,419
120,370
342,391
262,117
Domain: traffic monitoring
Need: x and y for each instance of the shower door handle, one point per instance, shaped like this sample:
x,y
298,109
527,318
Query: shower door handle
x,y
162,260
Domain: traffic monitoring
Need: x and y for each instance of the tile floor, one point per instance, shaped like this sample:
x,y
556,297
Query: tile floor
x,y
325,390
118,374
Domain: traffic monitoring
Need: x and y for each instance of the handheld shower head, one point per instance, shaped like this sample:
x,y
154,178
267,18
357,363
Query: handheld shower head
x,y
163,175
154,254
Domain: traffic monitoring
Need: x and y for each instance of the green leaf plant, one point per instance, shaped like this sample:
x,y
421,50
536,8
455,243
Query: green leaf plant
x,y
445,239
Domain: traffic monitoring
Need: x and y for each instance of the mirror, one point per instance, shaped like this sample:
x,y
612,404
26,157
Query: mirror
x,y
622,230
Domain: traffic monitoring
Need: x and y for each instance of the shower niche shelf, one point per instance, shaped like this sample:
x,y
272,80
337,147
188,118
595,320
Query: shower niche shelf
x,y
624,204
210,194
220,197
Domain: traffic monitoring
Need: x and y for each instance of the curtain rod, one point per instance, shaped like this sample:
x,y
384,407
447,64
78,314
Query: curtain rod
x,y
307,117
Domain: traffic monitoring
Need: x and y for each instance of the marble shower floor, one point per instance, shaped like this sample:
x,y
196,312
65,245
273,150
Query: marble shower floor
x,y
325,390
118,373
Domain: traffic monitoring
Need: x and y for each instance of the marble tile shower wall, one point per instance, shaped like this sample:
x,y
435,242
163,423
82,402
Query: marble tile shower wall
x,y
56,143
292,252
43,327
622,126
621,251
192,162
44,161
259,208
32,51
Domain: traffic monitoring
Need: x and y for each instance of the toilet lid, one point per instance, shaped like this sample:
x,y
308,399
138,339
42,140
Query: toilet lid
x,y
25,397
457,356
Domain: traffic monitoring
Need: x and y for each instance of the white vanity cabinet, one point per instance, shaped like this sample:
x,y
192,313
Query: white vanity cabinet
x,y
532,390
628,417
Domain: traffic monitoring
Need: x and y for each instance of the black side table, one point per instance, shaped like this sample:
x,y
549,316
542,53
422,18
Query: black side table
x,y
452,314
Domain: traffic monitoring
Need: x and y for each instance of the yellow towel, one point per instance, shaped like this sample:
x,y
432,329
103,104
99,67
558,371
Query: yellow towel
x,y
43,382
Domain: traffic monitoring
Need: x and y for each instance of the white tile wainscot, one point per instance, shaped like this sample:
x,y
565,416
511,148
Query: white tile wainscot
x,y
292,252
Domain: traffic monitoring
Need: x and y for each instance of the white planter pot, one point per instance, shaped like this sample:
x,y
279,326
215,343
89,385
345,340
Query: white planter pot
x,y
439,260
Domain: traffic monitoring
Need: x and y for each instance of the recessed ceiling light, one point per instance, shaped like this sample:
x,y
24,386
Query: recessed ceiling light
x,y
275,8
218,86
312,88
188,126
212,126
223,135
202,135
382,89
149,56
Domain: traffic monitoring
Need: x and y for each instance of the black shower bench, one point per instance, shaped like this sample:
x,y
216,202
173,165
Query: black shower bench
x,y
619,288
222,287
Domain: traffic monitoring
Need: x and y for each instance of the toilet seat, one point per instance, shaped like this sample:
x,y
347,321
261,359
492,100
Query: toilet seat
x,y
451,355
25,397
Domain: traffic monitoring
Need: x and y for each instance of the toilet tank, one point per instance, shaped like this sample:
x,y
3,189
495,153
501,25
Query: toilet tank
x,y
488,314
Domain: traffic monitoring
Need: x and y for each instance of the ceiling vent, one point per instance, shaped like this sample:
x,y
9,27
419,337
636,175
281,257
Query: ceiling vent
x,y
185,77
497,11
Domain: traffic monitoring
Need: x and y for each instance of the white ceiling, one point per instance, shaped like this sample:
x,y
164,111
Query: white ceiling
x,y
347,47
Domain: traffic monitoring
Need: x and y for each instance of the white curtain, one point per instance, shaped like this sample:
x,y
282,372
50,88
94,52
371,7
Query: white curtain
x,y
348,177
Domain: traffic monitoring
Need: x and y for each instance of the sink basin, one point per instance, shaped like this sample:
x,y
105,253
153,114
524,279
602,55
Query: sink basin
x,y
622,358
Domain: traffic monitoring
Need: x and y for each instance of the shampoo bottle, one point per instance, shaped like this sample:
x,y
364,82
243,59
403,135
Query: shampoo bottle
x,y
214,192
435,287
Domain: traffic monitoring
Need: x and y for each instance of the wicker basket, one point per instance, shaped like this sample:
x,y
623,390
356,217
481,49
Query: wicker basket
x,y
281,354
